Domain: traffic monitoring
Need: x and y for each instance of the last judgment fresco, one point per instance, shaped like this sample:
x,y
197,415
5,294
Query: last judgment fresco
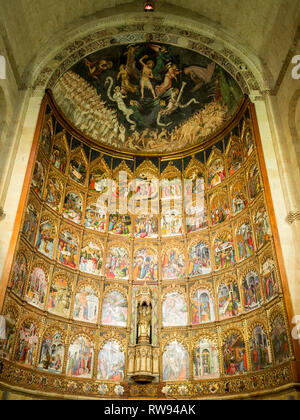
x,y
148,97
146,276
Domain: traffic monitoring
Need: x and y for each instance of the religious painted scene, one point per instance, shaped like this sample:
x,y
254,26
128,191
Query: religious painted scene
x,y
52,352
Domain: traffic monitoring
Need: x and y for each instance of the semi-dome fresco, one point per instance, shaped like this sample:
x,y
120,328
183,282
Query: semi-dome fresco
x,y
152,97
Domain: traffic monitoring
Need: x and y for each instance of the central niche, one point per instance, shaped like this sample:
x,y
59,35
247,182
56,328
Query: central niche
x,y
147,97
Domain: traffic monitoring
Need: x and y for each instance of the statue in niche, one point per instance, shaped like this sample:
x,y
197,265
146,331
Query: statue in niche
x,y
144,323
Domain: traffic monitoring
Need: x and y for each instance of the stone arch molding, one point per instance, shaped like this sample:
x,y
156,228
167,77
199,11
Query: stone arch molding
x,y
3,111
97,33
293,119
294,214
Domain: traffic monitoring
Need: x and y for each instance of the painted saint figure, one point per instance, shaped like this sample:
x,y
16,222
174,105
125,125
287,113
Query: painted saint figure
x,y
216,173
30,224
253,297
73,207
174,310
224,251
248,143
206,360
202,307
52,353
7,343
147,75
80,358
37,288
245,242
26,352
175,362
173,264
67,249
19,273
77,171
145,265
280,341
45,238
269,279
53,194
234,355
260,349
255,185
262,227
59,158
60,296
235,160
117,264
86,306
91,259
38,178
95,218
229,300
199,260
111,362
114,309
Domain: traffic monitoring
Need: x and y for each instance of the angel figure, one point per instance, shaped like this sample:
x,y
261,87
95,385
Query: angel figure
x,y
163,57
147,74
119,97
171,73
174,103
131,67
126,85
97,67
200,75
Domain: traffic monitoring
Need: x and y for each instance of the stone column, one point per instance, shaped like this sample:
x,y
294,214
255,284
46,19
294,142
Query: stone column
x,y
15,169
283,174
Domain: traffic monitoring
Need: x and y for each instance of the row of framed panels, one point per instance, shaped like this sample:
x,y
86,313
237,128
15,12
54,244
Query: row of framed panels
x,y
253,344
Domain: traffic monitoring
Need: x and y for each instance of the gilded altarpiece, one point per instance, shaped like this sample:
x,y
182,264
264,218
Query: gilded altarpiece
x,y
217,319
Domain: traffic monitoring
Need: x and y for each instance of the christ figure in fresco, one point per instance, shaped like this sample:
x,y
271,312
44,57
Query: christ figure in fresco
x,y
147,74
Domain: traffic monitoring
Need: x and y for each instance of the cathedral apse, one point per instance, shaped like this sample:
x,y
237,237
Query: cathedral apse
x,y
140,275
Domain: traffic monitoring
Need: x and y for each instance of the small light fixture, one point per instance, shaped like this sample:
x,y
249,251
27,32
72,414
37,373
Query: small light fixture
x,y
149,6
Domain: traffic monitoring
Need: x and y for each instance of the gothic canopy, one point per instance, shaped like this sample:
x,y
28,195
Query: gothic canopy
x,y
153,98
